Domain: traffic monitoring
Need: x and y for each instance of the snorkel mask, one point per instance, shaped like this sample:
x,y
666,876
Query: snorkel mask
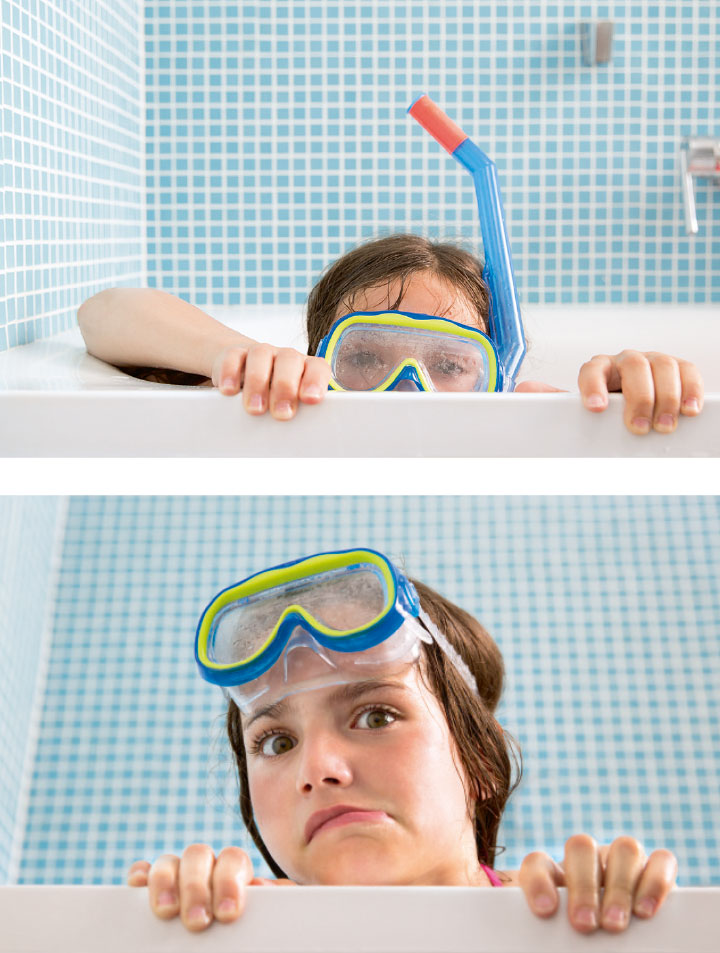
x,y
327,619
403,350
504,346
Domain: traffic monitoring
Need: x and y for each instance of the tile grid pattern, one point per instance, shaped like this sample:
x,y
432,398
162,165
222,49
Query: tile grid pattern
x,y
277,139
605,609
72,182
27,550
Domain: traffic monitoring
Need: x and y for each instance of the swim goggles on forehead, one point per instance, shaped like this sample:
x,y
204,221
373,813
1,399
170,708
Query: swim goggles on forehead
x,y
327,619
403,350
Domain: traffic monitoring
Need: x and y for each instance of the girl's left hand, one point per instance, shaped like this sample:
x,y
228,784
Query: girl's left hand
x,y
657,388
632,882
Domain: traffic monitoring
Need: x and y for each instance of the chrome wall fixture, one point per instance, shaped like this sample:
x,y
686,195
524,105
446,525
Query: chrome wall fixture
x,y
596,42
699,158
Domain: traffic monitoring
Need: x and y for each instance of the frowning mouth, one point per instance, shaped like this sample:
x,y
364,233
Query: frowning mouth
x,y
338,816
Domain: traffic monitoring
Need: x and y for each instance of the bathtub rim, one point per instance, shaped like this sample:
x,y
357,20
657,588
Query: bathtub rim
x,y
463,920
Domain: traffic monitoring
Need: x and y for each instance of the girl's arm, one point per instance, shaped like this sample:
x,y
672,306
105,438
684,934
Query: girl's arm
x,y
150,328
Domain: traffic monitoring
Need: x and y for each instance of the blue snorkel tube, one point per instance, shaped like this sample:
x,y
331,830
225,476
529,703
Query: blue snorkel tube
x,y
505,321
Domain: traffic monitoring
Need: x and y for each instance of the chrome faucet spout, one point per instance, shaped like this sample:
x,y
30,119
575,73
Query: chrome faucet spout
x,y
699,158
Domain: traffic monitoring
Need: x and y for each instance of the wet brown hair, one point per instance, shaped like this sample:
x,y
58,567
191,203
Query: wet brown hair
x,y
487,754
383,261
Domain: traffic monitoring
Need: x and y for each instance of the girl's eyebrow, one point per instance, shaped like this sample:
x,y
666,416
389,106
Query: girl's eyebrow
x,y
356,689
344,693
272,711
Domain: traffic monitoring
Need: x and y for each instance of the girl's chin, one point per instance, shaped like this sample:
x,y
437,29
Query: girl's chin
x,y
357,865
357,878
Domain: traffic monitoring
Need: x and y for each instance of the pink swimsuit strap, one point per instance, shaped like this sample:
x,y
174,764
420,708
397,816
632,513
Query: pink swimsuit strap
x,y
494,879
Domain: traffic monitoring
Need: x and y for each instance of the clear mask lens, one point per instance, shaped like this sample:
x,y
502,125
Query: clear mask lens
x,y
343,600
366,355
306,665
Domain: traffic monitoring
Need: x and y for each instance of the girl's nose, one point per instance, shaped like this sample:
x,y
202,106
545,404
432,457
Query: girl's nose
x,y
323,763
406,385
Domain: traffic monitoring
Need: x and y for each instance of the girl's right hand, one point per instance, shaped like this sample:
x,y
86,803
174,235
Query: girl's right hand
x,y
197,885
271,377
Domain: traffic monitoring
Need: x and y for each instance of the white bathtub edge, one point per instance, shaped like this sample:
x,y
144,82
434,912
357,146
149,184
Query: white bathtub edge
x,y
83,919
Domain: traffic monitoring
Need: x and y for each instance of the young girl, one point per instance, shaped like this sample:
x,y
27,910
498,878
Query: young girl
x,y
144,329
361,720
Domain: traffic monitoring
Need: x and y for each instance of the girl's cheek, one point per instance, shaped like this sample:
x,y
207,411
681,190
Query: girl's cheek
x,y
258,783
258,789
270,784
269,810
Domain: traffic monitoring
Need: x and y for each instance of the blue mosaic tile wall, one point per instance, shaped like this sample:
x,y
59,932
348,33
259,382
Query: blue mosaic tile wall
x,y
72,183
27,548
277,138
606,611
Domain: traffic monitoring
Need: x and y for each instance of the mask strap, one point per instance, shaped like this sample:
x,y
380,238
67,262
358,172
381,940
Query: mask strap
x,y
450,652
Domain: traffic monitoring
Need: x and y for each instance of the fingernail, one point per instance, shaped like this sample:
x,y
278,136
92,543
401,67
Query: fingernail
x,y
312,392
594,400
198,916
256,403
227,906
645,907
543,903
283,409
167,899
615,916
691,404
641,423
585,916
665,422
228,382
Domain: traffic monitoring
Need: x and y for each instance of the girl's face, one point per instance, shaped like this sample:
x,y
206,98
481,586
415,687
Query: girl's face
x,y
382,752
424,293
451,364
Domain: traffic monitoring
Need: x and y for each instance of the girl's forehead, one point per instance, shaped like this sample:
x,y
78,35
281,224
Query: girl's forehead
x,y
403,684
424,293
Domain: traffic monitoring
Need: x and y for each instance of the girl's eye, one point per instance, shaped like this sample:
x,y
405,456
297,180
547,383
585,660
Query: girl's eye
x,y
365,359
273,745
449,368
375,718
